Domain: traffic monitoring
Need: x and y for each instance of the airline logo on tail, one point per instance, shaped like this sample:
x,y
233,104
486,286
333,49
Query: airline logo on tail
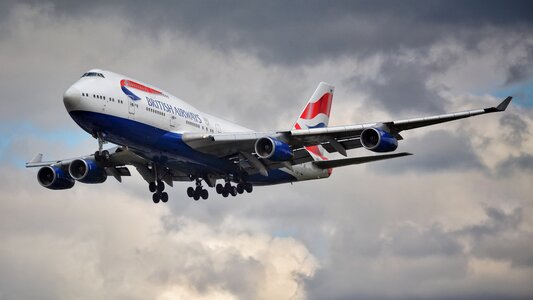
x,y
125,84
316,114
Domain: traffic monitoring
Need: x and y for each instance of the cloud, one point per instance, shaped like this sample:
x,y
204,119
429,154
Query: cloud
x,y
436,151
518,128
426,226
99,244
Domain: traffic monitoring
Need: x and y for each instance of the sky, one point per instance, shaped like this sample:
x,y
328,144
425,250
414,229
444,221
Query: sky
x,y
453,221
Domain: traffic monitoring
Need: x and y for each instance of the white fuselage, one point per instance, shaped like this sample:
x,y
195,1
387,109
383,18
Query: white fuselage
x,y
149,105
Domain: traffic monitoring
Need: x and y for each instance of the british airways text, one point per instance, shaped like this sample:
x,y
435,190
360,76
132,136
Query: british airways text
x,y
173,110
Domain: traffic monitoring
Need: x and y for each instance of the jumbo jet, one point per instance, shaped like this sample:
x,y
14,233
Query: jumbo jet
x,y
167,139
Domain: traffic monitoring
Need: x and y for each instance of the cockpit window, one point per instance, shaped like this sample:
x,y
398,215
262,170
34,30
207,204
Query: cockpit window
x,y
93,74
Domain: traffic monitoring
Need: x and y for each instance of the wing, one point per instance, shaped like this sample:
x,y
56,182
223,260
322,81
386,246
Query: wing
x,y
118,158
333,139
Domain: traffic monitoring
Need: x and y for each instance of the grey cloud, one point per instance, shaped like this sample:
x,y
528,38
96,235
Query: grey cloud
x,y
500,237
411,242
523,162
299,31
435,151
521,70
252,62
403,88
518,129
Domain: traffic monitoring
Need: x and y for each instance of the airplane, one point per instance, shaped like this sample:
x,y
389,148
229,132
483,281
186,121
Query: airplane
x,y
167,139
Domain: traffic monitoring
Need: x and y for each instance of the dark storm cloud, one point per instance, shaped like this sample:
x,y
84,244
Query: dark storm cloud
x,y
435,151
297,31
403,87
522,69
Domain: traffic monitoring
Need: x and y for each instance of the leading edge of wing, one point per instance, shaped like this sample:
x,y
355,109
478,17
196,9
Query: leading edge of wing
x,y
326,164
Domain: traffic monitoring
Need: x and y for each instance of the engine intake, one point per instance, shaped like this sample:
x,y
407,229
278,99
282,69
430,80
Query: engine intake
x,y
87,171
378,140
273,149
54,178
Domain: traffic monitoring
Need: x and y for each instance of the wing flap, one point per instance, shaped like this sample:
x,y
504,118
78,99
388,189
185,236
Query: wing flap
x,y
326,164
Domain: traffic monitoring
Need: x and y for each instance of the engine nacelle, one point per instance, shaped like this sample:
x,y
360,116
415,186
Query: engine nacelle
x,y
54,178
87,171
378,140
273,149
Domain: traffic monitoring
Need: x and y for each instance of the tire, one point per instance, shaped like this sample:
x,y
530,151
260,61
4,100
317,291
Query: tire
x,y
227,186
219,188
164,197
240,188
225,194
160,186
233,191
248,187
155,197
190,191
97,156
196,197
105,155
204,194
152,187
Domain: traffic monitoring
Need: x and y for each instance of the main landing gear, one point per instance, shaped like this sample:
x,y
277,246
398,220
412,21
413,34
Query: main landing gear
x,y
223,189
198,192
227,189
158,189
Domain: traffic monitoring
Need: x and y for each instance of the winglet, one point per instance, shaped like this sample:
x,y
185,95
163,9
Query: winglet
x,y
502,106
37,159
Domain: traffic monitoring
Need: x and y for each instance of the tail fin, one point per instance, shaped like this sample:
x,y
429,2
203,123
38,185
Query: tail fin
x,y
316,112
316,115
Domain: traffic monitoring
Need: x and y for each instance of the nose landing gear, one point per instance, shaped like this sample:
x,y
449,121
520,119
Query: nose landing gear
x,y
101,155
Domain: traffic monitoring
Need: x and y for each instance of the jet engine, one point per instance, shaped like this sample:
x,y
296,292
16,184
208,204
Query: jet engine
x,y
378,140
54,178
273,149
87,171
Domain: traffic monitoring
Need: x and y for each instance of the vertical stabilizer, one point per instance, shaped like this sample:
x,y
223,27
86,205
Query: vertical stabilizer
x,y
316,112
316,115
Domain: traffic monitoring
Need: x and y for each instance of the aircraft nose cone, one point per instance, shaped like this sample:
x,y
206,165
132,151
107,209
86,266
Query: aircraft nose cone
x,y
71,98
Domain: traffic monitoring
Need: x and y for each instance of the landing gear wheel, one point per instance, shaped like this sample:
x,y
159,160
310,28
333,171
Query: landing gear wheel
x,y
196,197
204,194
105,155
190,191
248,187
164,197
160,186
155,197
97,156
233,191
198,190
225,194
219,188
152,187
240,188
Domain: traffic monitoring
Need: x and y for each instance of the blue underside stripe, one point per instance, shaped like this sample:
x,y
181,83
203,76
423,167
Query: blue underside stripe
x,y
164,146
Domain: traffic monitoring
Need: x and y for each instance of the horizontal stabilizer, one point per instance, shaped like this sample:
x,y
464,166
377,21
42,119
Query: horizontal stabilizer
x,y
326,164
